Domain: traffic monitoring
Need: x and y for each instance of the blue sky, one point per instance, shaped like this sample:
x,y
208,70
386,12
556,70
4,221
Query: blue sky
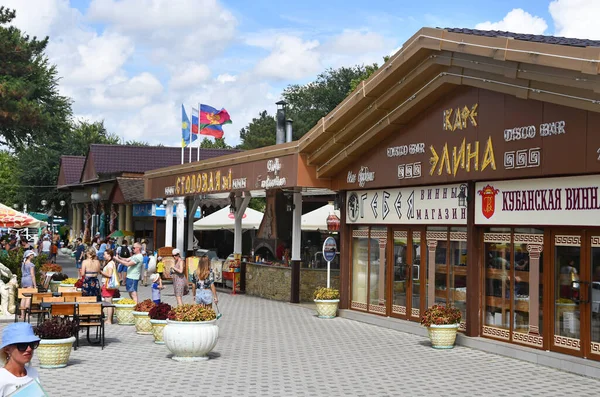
x,y
133,62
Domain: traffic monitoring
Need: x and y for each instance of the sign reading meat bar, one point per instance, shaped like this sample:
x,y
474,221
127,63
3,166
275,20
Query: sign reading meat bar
x,y
572,201
432,205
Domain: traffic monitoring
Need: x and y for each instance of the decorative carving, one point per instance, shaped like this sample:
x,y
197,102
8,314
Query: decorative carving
x,y
595,240
379,234
524,158
360,233
567,343
534,250
415,312
462,326
494,332
528,339
358,306
432,245
377,309
496,237
595,348
524,238
416,236
113,217
437,236
567,240
458,236
399,309
400,234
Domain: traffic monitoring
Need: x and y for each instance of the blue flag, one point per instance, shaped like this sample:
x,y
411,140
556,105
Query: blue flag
x,y
185,129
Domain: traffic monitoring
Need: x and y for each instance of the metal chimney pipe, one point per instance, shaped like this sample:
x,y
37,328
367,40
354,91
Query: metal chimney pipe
x,y
280,123
288,130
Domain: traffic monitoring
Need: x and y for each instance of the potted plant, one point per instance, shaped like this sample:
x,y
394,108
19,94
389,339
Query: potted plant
x,y
191,332
57,337
158,318
141,318
56,280
442,323
69,282
327,301
124,311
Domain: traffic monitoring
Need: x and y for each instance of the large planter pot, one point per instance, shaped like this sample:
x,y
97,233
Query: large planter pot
x,y
158,327
67,285
124,314
327,308
54,285
442,336
55,353
142,323
190,340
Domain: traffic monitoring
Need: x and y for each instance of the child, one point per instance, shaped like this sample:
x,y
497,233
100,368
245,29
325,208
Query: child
x,y
53,252
160,267
156,287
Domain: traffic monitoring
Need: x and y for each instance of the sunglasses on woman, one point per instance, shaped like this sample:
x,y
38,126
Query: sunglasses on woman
x,y
22,347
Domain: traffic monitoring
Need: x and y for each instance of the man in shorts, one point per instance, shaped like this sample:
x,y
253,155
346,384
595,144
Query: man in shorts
x,y
134,266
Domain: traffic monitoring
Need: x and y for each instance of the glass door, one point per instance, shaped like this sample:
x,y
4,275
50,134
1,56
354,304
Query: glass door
x,y
593,310
407,274
568,266
415,279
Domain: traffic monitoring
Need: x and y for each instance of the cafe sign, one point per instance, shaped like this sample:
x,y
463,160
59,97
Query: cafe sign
x,y
201,182
429,205
572,201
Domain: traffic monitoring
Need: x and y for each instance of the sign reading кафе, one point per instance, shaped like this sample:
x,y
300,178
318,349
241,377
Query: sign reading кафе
x,y
268,174
420,205
573,201
474,134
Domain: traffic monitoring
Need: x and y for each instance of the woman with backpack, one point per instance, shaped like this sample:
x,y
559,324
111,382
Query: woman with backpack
x,y
124,252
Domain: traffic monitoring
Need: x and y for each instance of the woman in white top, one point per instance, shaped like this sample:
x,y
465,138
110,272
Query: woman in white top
x,y
108,293
18,344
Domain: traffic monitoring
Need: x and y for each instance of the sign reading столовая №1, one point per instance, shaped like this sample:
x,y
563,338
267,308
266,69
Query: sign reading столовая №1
x,y
431,205
573,201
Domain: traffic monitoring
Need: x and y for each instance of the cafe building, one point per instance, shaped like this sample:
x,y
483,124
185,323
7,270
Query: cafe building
x,y
468,169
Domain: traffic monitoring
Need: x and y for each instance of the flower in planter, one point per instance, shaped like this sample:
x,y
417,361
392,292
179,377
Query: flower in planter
x,y
323,294
160,311
51,267
191,312
125,301
56,328
70,280
440,315
144,306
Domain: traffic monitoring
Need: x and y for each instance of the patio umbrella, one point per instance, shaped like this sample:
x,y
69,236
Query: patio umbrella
x,y
15,219
120,233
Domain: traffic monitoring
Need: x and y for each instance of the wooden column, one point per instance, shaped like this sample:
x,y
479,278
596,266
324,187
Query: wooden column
x,y
345,244
473,267
122,217
431,246
129,218
535,251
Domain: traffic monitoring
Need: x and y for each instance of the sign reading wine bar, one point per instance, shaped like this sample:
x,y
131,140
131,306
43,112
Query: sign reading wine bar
x,y
551,201
444,205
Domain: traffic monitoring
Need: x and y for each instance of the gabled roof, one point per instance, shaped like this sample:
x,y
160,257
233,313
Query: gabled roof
x,y
118,159
70,170
132,189
432,63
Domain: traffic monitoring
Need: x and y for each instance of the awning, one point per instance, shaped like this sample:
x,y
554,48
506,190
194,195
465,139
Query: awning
x,y
317,219
223,219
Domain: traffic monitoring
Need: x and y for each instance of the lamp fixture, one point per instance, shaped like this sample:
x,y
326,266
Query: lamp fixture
x,y
462,196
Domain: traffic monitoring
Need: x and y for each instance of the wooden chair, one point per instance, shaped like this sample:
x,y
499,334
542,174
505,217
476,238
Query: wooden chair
x,y
70,296
90,315
168,262
34,307
86,299
20,292
66,289
53,299
66,310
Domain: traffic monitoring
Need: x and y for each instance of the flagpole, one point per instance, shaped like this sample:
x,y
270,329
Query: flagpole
x,y
182,147
198,152
191,133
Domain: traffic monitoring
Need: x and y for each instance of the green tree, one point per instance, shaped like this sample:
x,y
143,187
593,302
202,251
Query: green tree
x,y
218,143
259,133
8,180
369,70
136,143
30,105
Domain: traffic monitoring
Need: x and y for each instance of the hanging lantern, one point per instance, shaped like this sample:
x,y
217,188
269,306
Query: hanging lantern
x,y
333,223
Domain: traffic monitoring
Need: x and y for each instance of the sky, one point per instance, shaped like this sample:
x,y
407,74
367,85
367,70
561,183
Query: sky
x,y
132,63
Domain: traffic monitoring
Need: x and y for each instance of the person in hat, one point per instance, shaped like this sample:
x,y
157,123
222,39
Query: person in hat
x,y
18,344
180,284
27,278
156,287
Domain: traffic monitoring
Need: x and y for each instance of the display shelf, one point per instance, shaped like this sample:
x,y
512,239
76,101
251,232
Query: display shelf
x,y
520,305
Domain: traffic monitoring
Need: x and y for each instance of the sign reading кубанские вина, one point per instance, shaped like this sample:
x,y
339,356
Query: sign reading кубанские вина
x,y
573,201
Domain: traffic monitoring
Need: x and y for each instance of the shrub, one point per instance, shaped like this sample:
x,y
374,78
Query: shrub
x,y
160,311
14,259
56,328
325,294
190,312
144,306
440,315
51,267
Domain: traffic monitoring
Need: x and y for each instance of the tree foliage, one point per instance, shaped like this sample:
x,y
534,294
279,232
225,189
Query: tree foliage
x,y
217,143
8,182
369,70
30,105
259,133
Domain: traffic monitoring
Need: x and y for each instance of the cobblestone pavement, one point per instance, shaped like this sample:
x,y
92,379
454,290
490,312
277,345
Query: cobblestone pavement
x,y
269,348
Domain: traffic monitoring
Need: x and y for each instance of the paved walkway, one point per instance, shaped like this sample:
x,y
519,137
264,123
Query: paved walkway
x,y
269,348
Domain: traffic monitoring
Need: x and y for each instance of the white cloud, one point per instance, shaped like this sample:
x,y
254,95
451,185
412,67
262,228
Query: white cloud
x,y
188,75
226,78
576,18
43,18
518,21
291,59
356,42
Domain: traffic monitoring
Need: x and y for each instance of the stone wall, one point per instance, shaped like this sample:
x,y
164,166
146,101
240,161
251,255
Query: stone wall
x,y
274,282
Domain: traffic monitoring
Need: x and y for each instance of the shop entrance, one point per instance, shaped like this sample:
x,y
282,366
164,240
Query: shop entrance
x,y
575,316
408,275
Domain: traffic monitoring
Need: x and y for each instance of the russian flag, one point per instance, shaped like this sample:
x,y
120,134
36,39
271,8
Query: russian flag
x,y
195,120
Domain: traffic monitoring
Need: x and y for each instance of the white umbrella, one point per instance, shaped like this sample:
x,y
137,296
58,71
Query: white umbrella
x,y
223,219
317,219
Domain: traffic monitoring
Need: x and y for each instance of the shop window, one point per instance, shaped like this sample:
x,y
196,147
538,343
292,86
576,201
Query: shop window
x,y
458,270
377,269
360,266
400,272
513,266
